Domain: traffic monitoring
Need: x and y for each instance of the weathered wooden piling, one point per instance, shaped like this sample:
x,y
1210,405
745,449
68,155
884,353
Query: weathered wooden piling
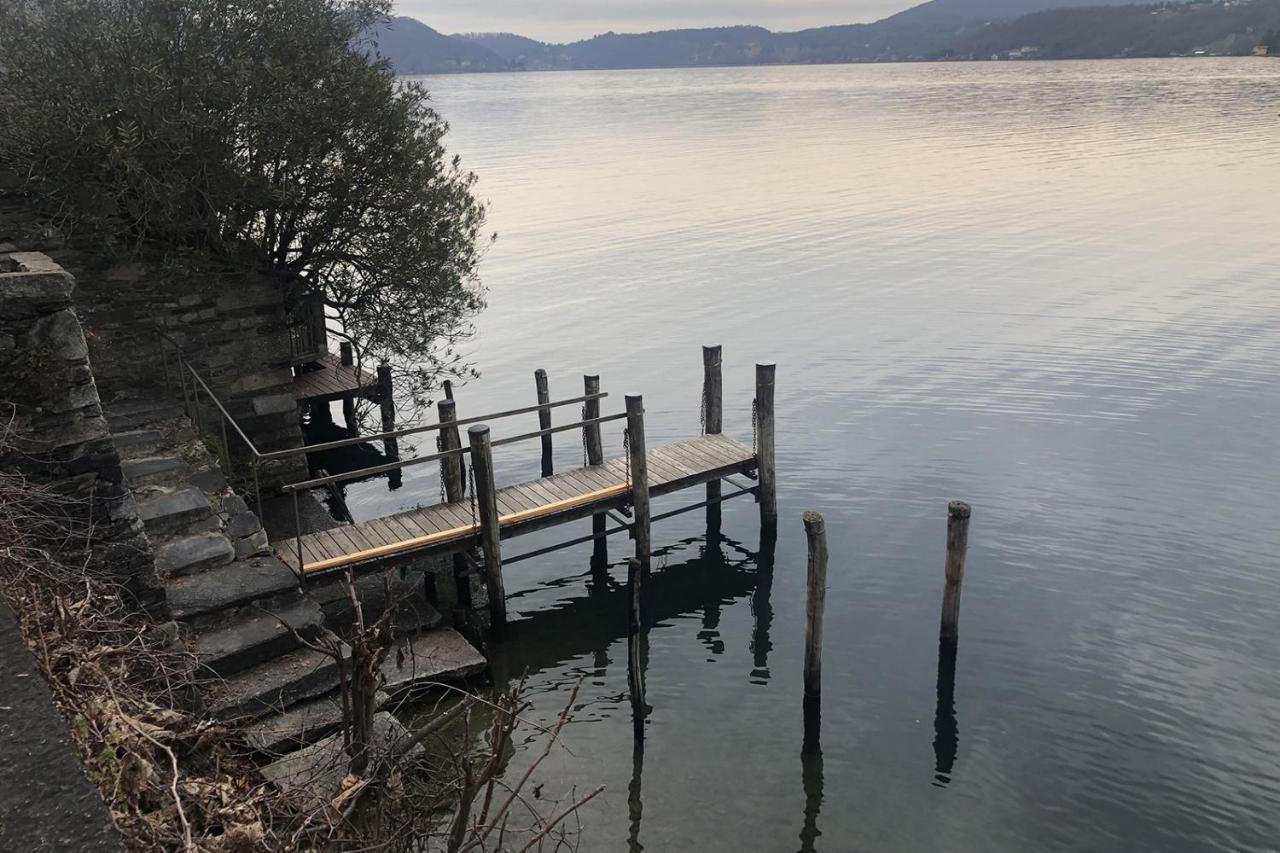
x,y
712,423
448,389
958,513
544,419
639,470
452,468
387,403
593,445
815,529
635,639
765,444
487,509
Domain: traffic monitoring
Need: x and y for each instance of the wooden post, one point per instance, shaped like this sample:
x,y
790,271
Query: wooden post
x,y
639,464
712,424
764,445
957,543
451,468
594,445
448,389
346,355
486,499
388,405
544,419
815,529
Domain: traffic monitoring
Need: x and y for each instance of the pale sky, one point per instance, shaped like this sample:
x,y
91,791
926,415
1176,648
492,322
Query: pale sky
x,y
569,20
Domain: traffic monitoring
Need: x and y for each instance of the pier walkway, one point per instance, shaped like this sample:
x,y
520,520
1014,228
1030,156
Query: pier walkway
x,y
522,508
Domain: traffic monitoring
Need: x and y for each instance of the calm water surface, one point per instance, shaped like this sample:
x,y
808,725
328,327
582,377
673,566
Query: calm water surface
x,y
1047,288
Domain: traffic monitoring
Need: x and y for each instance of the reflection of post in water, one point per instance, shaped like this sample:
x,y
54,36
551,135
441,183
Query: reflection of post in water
x,y
637,661
635,805
946,729
761,608
811,779
713,563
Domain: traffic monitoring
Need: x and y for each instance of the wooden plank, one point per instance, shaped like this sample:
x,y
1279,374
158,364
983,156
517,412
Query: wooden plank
x,y
521,498
598,477
545,497
377,532
557,486
576,481
691,459
676,461
506,506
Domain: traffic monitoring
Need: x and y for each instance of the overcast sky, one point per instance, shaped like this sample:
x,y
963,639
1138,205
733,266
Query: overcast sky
x,y
569,20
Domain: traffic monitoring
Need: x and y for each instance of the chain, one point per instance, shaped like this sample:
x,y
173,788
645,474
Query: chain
x,y
443,463
626,455
475,519
755,422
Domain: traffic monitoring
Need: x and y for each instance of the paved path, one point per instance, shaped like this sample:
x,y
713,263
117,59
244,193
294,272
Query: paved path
x,y
46,800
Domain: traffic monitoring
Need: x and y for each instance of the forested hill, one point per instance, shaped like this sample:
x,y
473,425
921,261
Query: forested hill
x,y
939,29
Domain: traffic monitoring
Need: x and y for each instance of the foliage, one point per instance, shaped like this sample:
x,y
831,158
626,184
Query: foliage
x,y
255,133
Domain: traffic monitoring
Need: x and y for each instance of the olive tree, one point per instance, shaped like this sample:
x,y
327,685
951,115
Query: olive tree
x,y
250,133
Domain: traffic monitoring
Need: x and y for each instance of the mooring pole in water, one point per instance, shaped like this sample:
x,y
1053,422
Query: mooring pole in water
x,y
815,529
635,639
593,445
712,423
453,476
347,356
958,513
544,418
486,498
388,405
638,466
765,373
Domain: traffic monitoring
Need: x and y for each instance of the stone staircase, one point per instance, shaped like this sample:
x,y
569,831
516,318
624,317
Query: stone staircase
x,y
241,610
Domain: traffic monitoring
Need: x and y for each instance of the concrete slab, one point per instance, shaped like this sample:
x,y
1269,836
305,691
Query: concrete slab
x,y
255,635
441,655
191,554
229,586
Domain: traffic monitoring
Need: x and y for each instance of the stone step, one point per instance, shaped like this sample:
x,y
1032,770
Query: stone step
x,y
312,777
214,590
135,443
254,635
301,725
436,656
156,471
125,415
185,510
190,554
274,686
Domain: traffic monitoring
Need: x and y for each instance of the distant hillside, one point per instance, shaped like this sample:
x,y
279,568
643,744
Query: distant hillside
x,y
414,48
939,29
1159,30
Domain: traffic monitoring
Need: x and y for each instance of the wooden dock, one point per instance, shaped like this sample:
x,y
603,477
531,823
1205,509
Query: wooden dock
x,y
472,522
523,508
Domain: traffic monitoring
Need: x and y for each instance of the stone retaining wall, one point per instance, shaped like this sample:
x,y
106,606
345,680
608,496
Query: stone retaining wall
x,y
53,415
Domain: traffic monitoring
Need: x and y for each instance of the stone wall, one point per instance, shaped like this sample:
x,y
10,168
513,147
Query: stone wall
x,y
53,415
232,327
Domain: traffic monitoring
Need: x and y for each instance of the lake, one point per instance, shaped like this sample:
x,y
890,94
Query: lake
x,y
1049,289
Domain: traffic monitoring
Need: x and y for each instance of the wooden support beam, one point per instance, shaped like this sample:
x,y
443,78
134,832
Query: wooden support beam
x,y
594,445
639,462
387,403
490,531
815,529
958,513
765,445
544,419
712,424
452,468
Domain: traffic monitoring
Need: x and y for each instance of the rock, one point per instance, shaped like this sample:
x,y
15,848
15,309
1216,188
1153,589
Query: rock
x,y
60,333
254,635
243,524
275,686
191,554
229,586
155,470
301,725
173,512
313,775
254,545
440,655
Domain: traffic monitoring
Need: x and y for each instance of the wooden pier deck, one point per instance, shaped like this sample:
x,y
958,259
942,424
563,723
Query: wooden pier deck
x,y
522,508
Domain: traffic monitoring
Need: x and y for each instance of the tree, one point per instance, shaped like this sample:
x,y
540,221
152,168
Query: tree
x,y
250,133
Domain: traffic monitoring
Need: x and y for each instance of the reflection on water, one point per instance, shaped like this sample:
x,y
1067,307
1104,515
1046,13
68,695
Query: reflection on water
x,y
1046,288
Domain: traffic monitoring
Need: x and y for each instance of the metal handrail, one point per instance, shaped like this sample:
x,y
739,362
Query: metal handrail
x,y
400,433
191,404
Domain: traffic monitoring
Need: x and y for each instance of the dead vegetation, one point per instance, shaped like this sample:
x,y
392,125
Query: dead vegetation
x,y
175,779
